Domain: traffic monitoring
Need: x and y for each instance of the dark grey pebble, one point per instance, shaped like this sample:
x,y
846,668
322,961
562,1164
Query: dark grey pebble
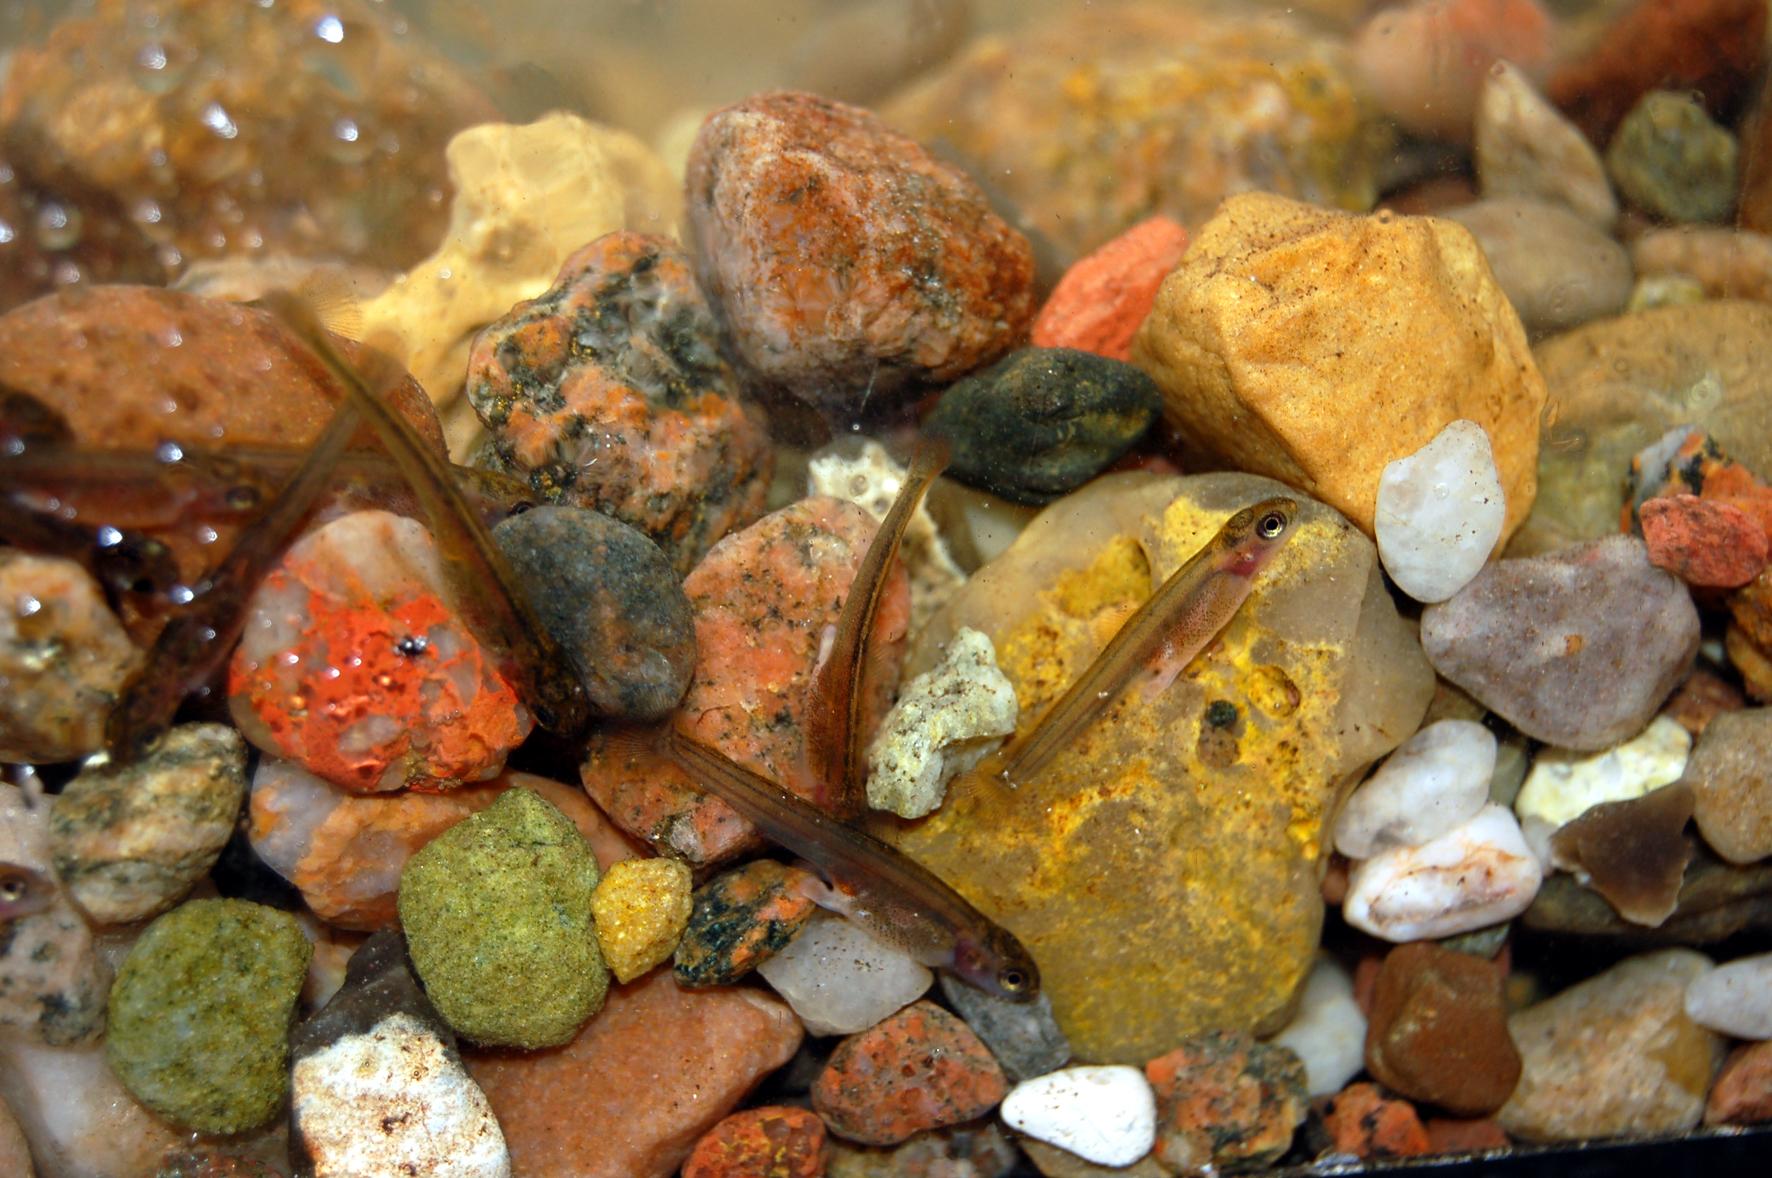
x,y
1022,1035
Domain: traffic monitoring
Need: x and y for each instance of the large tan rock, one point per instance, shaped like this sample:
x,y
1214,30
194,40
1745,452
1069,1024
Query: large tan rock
x,y
1315,347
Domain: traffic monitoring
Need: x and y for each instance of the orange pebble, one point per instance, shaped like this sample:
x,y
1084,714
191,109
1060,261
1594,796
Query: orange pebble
x,y
1101,300
1366,1123
772,1142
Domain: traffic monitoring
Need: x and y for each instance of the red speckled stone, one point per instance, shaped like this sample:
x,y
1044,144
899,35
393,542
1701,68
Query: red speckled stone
x,y
1742,1094
770,1142
847,261
1225,1101
1708,543
1364,1122
1099,303
609,392
922,1068
762,599
1438,1032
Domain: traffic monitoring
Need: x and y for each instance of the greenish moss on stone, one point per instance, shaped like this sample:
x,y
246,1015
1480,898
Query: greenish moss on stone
x,y
497,913
201,1010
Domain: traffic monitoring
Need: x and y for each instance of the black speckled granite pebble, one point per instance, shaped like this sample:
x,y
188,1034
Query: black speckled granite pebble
x,y
611,599
1041,422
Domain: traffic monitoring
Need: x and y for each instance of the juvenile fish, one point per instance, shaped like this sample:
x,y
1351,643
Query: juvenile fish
x,y
891,895
1164,634
23,891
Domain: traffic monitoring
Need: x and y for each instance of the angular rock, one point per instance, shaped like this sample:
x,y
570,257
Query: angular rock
x,y
1225,1101
52,982
1099,303
1328,1034
841,979
1716,902
1478,873
1614,1056
922,1068
1557,269
786,190
1707,543
1437,780
1742,1094
497,914
1734,999
200,1014
1634,853
1439,1030
1358,341
1424,62
740,919
1105,1115
1364,1122
1671,161
1576,648
1023,1036
1727,773
641,907
1562,786
1523,147
130,841
771,1142
609,392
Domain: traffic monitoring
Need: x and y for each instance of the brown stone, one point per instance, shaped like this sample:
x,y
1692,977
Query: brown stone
x,y
1742,1094
1728,772
1438,1032
1632,852
1703,697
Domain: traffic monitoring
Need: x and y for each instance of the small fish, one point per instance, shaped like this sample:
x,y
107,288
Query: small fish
x,y
836,729
23,891
891,895
1164,634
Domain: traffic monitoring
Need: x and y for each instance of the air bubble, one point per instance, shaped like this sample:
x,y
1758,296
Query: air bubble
x,y
218,120
58,226
330,29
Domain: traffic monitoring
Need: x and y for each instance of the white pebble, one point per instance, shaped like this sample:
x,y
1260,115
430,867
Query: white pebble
x,y
1105,1115
1436,780
946,721
1735,999
1440,512
1479,874
1562,785
1328,1033
840,979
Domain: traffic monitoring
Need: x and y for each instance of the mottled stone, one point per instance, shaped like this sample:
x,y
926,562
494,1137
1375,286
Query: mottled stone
x,y
52,982
1438,1031
1727,773
922,1068
1614,1056
608,391
769,1142
1099,303
1707,543
1315,347
130,841
739,919
1364,1122
610,598
1117,865
1634,852
1225,1101
641,907
1524,148
1557,269
799,206
1671,161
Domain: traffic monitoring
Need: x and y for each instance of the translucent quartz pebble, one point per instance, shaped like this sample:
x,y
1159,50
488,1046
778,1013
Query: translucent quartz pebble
x,y
839,979
1440,512
1563,784
1735,999
1479,873
1105,1115
1436,780
1328,1033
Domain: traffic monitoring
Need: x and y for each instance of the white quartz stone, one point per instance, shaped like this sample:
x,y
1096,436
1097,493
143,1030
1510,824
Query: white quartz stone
x,y
946,721
1478,874
1440,512
1105,1115
1328,1033
1563,784
1735,998
1435,781
840,979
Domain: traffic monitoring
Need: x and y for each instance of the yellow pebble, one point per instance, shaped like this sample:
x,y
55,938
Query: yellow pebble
x,y
641,907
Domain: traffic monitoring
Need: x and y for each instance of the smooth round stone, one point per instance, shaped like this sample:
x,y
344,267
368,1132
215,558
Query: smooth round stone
x,y
1728,778
1670,160
1329,1031
1106,1115
1735,999
1562,785
840,979
1437,780
1440,512
1479,873
1557,269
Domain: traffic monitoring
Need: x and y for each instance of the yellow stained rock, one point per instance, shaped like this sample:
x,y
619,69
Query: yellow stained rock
x,y
1164,869
641,907
1315,347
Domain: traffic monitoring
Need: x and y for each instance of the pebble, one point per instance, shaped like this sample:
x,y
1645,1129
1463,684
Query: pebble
x,y
377,1086
1523,147
1479,873
1670,160
1041,422
1634,853
769,1142
1424,62
1662,290
1542,640
1716,902
52,981
200,1014
15,1152
609,391
921,1068
1362,1121
840,978
1225,1102
130,841
1614,1056
1707,543
1720,262
497,914
610,598
978,1150
355,665
1440,512
665,1065
64,658
1742,1094
1439,1030
1106,1115
641,907
1024,1036
1435,781
945,722
1326,407
1703,697
1558,269
1735,998
1458,1135
1562,785
740,919
1099,303
1727,775
1328,1032
785,189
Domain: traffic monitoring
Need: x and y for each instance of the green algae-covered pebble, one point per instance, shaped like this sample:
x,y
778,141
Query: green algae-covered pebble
x,y
201,1010
497,913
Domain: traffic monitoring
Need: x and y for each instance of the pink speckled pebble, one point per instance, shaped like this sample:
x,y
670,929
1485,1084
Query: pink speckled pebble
x,y
922,1068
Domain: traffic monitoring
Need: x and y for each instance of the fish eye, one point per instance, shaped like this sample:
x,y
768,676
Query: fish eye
x,y
1270,525
13,889
1013,980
